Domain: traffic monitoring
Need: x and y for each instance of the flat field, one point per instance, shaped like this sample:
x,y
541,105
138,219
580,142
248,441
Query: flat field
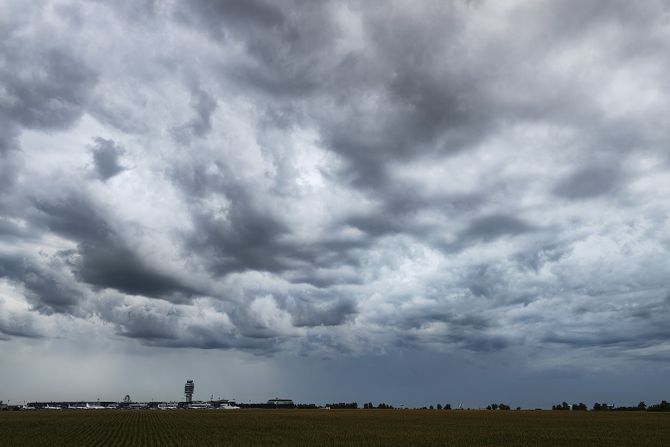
x,y
332,428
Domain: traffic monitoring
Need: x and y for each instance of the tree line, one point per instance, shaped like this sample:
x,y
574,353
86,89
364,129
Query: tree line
x,y
602,406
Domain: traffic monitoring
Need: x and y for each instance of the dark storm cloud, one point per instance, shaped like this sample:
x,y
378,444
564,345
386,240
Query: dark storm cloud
x,y
200,125
416,117
253,239
132,10
47,290
217,15
478,342
396,213
73,217
48,88
488,228
197,336
147,324
110,264
436,322
247,240
493,226
439,314
328,315
7,138
9,171
17,326
170,325
638,325
42,86
106,155
9,229
411,108
103,259
320,308
474,341
337,177
540,256
589,182
250,236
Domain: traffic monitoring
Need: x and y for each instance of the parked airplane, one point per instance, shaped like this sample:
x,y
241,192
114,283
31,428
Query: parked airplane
x,y
86,406
76,407
228,406
200,406
95,407
168,406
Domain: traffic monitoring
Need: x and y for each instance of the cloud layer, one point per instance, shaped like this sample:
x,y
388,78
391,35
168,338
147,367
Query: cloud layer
x,y
319,178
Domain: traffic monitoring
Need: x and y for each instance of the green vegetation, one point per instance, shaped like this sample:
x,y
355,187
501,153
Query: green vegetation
x,y
333,428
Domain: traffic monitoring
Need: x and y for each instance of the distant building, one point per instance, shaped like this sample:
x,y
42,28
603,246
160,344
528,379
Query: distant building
x,y
280,402
188,390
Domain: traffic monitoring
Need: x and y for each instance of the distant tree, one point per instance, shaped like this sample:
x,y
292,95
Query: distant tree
x,y
431,407
663,406
343,405
439,406
642,406
518,408
579,407
503,406
447,406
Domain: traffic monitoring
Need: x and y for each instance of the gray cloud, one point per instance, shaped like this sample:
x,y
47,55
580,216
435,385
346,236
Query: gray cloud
x,y
339,178
103,259
44,89
494,226
200,125
106,156
17,326
320,309
247,239
217,15
587,183
46,289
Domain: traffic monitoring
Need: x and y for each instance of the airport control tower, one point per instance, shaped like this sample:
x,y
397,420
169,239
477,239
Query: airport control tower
x,y
188,390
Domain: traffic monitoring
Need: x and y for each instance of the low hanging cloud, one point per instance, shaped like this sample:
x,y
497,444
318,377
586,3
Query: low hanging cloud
x,y
338,177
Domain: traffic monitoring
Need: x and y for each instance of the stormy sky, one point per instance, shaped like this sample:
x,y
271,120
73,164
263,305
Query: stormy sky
x,y
402,201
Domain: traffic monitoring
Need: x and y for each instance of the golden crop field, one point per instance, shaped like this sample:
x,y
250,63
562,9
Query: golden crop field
x,y
333,428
